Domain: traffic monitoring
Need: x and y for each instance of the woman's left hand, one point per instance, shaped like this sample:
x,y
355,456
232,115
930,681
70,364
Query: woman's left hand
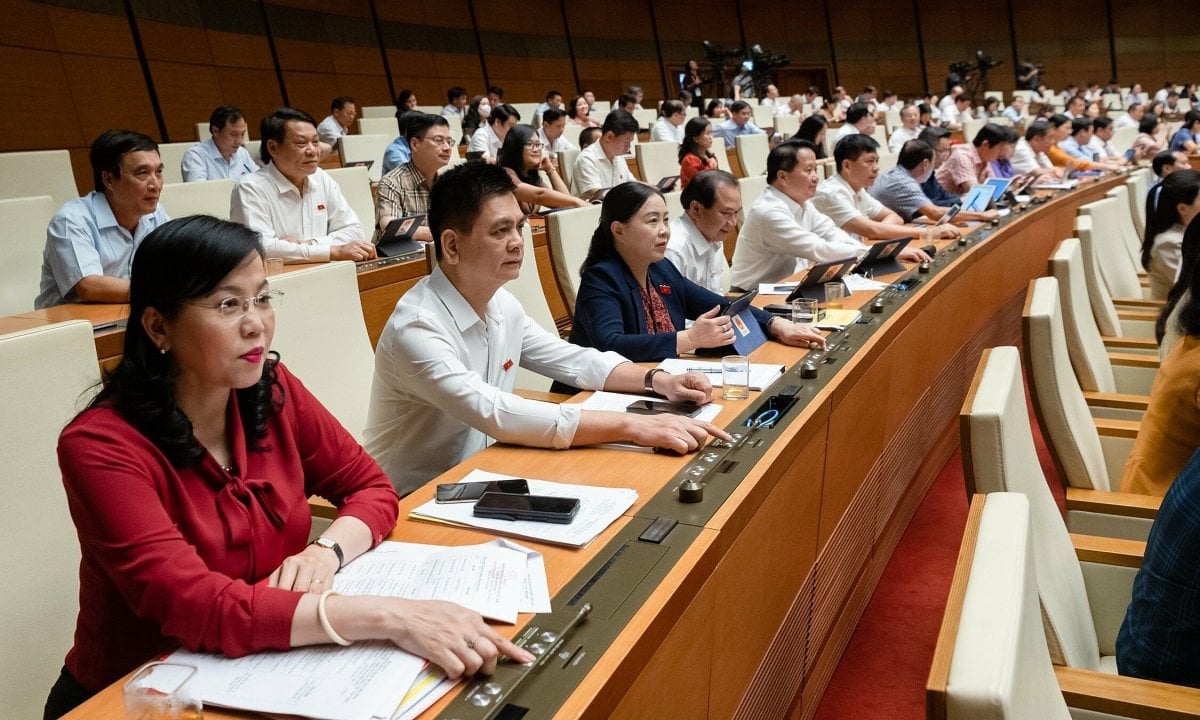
x,y
798,334
310,570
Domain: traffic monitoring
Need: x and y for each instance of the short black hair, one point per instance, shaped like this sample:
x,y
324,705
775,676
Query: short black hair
x,y
456,199
550,95
1191,117
501,113
1036,129
550,115
274,127
785,157
993,135
671,108
588,135
964,98
108,149
1080,124
851,147
620,122
1057,120
420,123
1101,122
913,153
703,187
455,92
738,106
1148,123
857,111
934,135
626,99
222,116
340,102
1162,161
496,90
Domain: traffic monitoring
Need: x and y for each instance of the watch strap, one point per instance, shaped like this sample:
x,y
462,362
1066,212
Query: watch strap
x,y
332,545
648,381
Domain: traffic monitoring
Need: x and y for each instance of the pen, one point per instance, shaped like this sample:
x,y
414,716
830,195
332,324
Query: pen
x,y
714,371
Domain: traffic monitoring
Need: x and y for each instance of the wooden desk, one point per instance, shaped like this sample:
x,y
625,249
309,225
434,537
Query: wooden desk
x,y
753,618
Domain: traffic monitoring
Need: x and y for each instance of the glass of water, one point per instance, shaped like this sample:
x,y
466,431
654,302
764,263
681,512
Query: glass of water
x,y
804,310
735,377
163,691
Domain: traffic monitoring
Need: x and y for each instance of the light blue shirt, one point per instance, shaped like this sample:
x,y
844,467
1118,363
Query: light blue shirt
x,y
396,154
1011,113
84,239
204,162
1072,147
730,130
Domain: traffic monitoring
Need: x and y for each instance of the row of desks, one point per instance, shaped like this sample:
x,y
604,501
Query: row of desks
x,y
746,607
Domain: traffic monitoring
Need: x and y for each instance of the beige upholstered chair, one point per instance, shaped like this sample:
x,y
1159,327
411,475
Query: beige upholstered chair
x,y
1125,225
379,126
569,232
657,160
752,153
891,120
566,164
750,188
526,109
887,161
646,118
24,222
1082,605
971,128
764,117
356,148
172,159
527,288
787,125
1111,323
1089,453
49,375
38,172
1138,183
377,111
718,148
674,203
207,197
319,313
880,135
356,186
1117,267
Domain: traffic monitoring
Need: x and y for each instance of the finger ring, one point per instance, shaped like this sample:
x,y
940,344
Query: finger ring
x,y
318,580
471,644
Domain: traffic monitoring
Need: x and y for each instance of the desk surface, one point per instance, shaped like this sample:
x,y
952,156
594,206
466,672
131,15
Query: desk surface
x,y
765,587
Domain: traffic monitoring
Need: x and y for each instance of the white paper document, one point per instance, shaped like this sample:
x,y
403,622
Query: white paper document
x,y
779,288
598,508
857,283
617,402
761,374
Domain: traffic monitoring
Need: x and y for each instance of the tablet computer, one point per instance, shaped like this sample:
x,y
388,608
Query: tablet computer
x,y
882,257
747,333
999,186
667,184
812,285
949,215
397,237
978,199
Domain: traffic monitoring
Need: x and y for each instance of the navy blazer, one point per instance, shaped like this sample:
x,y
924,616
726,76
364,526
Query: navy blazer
x,y
609,313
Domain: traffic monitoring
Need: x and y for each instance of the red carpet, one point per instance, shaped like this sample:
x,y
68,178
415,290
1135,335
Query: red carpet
x,y
882,673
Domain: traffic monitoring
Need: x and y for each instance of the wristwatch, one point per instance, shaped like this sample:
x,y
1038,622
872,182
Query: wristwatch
x,y
331,545
648,382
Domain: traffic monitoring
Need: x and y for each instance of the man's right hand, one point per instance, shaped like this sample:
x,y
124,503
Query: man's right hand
x,y
356,251
673,433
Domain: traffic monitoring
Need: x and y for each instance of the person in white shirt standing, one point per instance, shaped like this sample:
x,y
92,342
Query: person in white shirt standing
x,y
669,126
602,165
447,360
295,205
222,155
342,112
488,138
711,204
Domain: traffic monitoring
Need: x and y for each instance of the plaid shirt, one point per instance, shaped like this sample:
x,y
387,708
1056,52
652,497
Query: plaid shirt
x,y
1160,638
401,192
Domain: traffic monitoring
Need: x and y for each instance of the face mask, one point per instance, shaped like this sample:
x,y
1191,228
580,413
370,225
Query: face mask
x,y
485,109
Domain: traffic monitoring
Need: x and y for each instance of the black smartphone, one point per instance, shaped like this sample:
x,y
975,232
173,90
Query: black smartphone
x,y
539,508
474,155
472,491
657,407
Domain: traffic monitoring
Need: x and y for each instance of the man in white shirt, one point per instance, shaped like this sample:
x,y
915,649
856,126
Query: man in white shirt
x,y
456,102
1030,151
711,204
222,155
1101,142
844,199
958,112
447,360
1015,112
859,120
551,133
783,232
297,208
669,126
342,112
948,101
1132,118
771,99
488,138
602,165
1075,107
910,128
554,100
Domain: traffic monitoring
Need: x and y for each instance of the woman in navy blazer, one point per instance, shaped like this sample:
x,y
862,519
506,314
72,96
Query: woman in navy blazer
x,y
633,301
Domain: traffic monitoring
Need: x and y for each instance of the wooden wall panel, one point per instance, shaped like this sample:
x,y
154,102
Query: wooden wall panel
x,y
799,35
40,111
949,37
93,33
187,94
614,46
1072,51
26,25
254,92
880,46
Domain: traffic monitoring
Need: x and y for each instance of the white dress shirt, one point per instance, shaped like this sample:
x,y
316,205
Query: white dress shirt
x,y
594,172
486,141
443,382
205,162
1125,120
666,131
269,203
554,148
1024,159
1102,148
900,136
846,130
696,258
330,130
780,237
839,202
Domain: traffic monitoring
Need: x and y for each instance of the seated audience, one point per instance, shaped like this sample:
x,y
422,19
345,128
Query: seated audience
x,y
1133,118
1076,107
523,157
406,101
447,360
1015,111
404,191
188,480
844,197
956,113
938,138
859,120
633,301
909,128
812,129
578,113
588,136
1164,164
1187,138
602,165
967,165
90,242
899,189
1136,95
695,152
552,133
669,126
739,123
489,137
947,101
1029,154
1147,144
1101,145
222,155
554,100
1073,148
711,205
399,151
635,91
456,102
342,112
716,109
1170,207
1167,329
795,106
495,95
991,108
783,232
627,103
771,99
297,208
477,114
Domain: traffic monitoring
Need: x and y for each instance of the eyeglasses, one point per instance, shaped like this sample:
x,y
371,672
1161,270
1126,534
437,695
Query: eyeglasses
x,y
440,140
535,145
234,309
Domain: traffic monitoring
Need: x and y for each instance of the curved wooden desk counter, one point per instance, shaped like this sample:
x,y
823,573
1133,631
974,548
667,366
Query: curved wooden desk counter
x,y
752,618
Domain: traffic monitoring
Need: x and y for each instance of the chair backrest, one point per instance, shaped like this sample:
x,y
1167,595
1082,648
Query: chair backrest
x,y
356,186
1138,183
527,110
645,118
1089,358
764,116
787,125
47,375
1108,247
657,160
999,667
205,197
566,164
456,131
320,311
999,456
527,287
377,111
601,109
1027,94
691,111
569,233
1123,137
172,159
880,135
427,109
203,134
718,148
254,147
1103,310
891,119
674,203
1125,225
752,153
24,222
356,148
887,161
571,133
1111,101
379,126
38,172
994,94
972,127
1061,409
750,188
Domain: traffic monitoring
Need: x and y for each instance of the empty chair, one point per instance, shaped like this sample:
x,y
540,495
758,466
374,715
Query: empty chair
x,y
971,128
1109,321
1109,270
764,116
320,311
566,163
752,153
206,197
377,111
527,111
39,172
356,186
1123,137
645,118
750,188
1138,183
49,374
569,233
378,126
1123,212
24,221
527,287
356,148
787,125
718,148
172,159
657,160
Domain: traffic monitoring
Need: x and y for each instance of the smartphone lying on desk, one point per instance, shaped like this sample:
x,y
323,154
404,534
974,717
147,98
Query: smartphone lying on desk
x,y
539,508
472,491
657,407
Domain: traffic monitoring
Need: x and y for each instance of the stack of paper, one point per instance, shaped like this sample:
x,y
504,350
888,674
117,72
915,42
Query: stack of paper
x,y
857,283
838,319
761,374
598,508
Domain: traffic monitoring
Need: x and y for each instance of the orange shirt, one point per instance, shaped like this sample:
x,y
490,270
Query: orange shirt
x,y
1170,430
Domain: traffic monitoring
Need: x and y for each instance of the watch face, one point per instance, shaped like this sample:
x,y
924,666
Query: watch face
x,y
324,542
